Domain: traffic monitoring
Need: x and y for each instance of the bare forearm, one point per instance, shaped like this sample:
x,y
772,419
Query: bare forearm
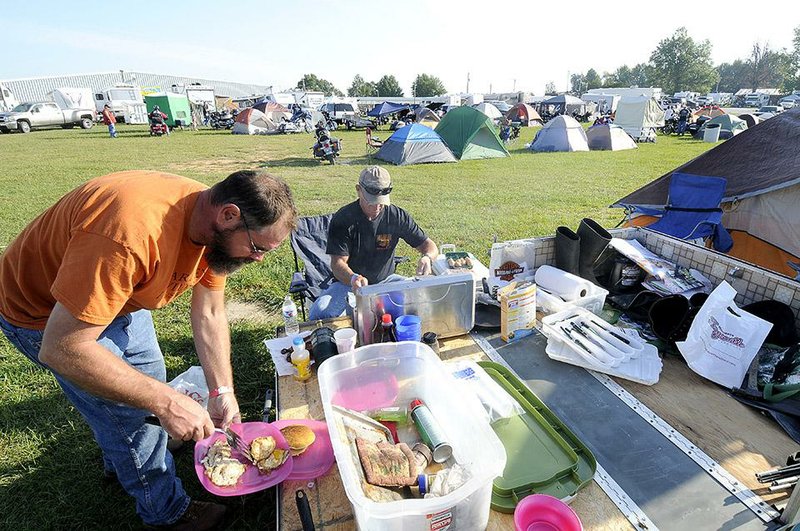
x,y
428,247
341,271
213,343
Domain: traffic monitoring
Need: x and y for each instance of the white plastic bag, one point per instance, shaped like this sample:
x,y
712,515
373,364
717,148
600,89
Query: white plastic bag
x,y
192,383
723,340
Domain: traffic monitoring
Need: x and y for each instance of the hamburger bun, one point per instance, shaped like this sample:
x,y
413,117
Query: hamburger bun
x,y
298,437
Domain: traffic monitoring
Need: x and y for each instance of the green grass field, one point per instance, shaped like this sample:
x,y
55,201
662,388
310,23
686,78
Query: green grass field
x,y
50,467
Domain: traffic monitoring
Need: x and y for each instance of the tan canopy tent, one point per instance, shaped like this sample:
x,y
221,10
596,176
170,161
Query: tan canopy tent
x,y
525,114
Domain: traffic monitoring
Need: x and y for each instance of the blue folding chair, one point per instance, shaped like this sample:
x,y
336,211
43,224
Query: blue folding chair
x,y
309,246
693,210
309,241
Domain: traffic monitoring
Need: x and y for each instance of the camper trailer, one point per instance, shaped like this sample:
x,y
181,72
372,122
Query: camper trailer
x,y
7,99
197,94
121,98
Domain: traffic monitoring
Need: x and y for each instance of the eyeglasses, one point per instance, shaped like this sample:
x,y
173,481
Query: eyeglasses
x,y
377,191
253,247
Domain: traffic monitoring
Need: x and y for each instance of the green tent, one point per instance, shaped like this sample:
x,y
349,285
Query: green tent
x,y
470,134
175,106
730,126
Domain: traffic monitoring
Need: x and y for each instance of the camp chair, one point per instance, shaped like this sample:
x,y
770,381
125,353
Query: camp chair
x,y
693,210
309,244
373,143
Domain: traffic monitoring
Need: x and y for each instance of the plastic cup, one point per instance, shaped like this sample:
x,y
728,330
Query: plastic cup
x,y
408,328
540,512
345,339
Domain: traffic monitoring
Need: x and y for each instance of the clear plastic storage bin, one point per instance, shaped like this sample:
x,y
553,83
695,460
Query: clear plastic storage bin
x,y
389,374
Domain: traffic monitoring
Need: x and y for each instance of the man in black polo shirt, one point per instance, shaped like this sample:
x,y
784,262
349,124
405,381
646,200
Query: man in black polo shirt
x,y
361,242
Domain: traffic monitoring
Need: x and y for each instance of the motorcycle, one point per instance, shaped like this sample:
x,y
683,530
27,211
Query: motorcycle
x,y
221,119
301,121
330,123
670,126
326,147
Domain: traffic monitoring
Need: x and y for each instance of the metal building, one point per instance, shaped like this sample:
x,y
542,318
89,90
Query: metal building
x,y
37,88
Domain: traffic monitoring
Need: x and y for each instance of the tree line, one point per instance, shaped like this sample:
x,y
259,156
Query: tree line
x,y
680,62
423,86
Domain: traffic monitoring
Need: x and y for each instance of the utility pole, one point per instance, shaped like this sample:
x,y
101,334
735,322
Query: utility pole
x,y
467,83
515,86
490,88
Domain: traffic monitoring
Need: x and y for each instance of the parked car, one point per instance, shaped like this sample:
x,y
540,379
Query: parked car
x,y
502,106
772,109
27,116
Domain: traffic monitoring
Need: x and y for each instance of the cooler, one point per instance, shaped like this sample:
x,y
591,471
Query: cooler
x,y
445,304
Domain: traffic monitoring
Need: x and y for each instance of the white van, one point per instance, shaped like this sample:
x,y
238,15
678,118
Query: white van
x,y
756,99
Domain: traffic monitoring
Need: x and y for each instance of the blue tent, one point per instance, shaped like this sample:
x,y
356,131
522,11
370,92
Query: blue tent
x,y
387,107
415,144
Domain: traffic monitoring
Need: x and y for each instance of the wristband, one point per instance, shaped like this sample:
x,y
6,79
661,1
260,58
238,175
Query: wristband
x,y
219,391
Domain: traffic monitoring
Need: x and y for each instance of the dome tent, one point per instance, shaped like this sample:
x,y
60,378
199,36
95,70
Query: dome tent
x,y
253,122
524,113
562,133
489,110
609,137
470,134
414,144
730,126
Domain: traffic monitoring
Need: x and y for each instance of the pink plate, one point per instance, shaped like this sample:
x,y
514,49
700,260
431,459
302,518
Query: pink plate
x,y
318,458
540,512
252,480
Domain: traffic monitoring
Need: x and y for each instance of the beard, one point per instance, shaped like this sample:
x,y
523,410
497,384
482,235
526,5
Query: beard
x,y
218,258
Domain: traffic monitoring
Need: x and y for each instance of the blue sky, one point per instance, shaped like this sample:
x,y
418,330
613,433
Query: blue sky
x,y
502,45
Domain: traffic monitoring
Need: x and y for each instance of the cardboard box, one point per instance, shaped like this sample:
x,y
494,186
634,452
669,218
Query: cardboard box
x,y
517,310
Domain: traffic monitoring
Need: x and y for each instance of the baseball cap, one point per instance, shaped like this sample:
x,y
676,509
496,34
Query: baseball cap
x,y
376,184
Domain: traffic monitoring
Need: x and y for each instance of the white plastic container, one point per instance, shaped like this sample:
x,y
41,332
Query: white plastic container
x,y
387,374
593,301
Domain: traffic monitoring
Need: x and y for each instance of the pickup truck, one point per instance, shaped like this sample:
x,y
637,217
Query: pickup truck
x,y
26,116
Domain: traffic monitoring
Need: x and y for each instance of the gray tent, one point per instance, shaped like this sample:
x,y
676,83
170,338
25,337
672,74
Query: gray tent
x,y
609,137
415,144
562,133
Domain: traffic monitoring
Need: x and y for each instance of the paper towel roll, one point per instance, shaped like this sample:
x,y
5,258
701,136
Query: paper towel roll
x,y
566,285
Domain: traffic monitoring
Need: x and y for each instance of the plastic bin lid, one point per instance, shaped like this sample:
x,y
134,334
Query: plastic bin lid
x,y
543,455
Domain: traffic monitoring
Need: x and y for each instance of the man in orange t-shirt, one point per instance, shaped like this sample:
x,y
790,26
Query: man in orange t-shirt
x,y
76,290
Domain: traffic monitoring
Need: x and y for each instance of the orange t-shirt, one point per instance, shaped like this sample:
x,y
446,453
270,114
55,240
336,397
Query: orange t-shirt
x,y
116,244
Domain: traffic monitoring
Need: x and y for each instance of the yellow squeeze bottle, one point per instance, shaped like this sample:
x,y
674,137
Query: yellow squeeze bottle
x,y
301,359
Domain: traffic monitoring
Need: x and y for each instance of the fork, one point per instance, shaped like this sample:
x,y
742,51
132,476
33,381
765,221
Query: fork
x,y
235,441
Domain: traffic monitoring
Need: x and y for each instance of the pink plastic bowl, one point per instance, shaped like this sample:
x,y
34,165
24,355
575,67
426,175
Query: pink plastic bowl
x,y
540,512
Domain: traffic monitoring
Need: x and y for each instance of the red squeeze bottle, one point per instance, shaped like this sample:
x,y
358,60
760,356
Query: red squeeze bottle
x,y
387,329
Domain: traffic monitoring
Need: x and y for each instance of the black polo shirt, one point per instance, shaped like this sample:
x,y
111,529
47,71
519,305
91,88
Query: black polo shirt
x,y
370,244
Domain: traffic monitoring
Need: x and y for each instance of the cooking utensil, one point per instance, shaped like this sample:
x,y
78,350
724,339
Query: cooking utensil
x,y
304,510
232,438
364,419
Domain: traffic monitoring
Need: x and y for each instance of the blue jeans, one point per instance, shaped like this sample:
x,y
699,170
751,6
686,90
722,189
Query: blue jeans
x,y
112,130
135,451
333,301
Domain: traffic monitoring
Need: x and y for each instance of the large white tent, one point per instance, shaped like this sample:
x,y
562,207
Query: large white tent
x,y
609,137
639,116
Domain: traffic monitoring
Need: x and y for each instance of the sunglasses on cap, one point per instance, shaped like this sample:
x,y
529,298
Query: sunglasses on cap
x,y
377,191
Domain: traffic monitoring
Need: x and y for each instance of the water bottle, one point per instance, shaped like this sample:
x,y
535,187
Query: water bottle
x,y
289,311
